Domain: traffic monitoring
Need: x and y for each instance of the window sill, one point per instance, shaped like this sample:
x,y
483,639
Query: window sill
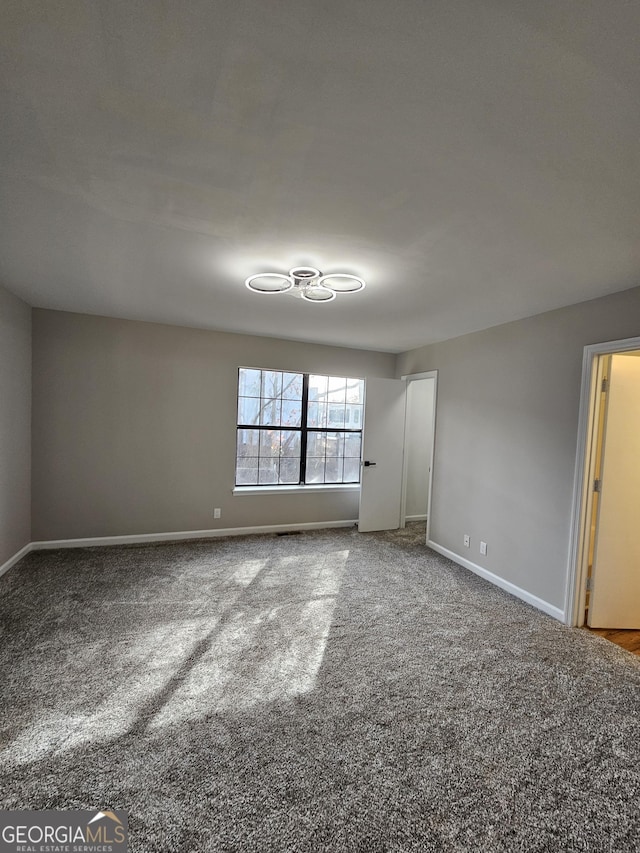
x,y
296,490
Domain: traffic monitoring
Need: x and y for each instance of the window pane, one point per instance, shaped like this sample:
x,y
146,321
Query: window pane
x,y
248,442
352,444
291,412
271,383
269,443
290,443
355,390
315,471
316,443
248,410
249,382
333,470
317,415
353,416
268,472
247,472
351,470
318,388
290,470
292,386
337,389
335,444
335,415
270,412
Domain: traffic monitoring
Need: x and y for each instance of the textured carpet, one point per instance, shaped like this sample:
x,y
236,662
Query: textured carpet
x,y
329,691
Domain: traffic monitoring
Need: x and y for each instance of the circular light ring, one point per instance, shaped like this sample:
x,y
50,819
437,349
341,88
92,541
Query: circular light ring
x,y
342,282
318,293
304,273
273,282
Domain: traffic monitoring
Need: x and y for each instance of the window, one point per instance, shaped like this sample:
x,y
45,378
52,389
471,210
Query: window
x,y
296,428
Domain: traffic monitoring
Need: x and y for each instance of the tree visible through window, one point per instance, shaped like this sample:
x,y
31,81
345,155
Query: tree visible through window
x,y
297,428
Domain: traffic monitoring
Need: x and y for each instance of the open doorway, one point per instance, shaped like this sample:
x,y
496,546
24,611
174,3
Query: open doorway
x,y
605,581
419,440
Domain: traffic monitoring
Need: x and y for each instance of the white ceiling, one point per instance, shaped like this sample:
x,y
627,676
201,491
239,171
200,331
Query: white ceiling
x,y
477,161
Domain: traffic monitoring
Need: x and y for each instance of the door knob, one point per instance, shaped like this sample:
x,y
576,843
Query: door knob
x,y
368,464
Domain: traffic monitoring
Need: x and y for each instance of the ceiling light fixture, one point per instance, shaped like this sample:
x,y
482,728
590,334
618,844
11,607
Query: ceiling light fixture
x,y
306,283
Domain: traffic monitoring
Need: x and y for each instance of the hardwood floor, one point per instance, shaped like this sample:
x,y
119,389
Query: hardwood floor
x,y
629,640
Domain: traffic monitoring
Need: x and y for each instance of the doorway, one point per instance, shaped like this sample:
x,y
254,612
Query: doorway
x,y
604,579
419,444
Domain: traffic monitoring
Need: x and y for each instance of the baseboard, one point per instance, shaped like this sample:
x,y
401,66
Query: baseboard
x,y
13,560
509,587
415,518
141,538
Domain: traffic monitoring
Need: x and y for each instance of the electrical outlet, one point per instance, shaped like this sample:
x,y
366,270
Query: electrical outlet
x,y
217,512
483,548
467,541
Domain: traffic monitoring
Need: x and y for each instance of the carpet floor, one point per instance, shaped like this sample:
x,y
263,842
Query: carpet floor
x,y
327,691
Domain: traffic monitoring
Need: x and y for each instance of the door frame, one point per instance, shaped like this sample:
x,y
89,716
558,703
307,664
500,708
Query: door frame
x,y
575,591
408,378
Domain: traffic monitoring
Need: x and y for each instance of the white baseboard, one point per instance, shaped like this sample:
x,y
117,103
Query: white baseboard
x,y
13,560
509,587
415,518
141,538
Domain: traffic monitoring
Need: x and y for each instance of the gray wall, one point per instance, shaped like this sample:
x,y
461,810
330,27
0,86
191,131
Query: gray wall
x,y
134,426
506,431
15,425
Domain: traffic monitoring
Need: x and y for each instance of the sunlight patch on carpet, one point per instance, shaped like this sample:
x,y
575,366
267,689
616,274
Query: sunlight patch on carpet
x,y
261,638
270,654
247,571
128,672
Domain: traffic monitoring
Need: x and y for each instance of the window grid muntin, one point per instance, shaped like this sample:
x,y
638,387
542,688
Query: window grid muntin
x,y
342,457
304,429
265,459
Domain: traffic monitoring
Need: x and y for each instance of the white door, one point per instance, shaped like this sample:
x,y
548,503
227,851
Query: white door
x,y
615,596
382,454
